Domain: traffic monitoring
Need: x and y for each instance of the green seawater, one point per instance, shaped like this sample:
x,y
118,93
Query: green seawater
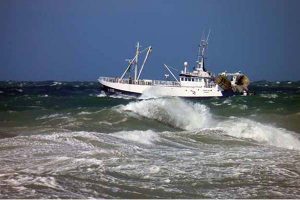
x,y
70,140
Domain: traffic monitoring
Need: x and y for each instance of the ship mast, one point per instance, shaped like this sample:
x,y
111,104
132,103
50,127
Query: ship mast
x,y
136,60
201,52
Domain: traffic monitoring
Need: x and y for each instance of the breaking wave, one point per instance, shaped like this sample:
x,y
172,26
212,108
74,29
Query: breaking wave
x,y
194,116
173,111
249,129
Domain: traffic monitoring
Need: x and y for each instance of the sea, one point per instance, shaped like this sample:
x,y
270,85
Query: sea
x,y
70,140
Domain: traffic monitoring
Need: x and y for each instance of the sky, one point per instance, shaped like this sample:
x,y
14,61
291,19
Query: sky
x,y
71,40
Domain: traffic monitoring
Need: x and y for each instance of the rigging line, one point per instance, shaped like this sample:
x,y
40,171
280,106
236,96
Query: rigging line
x,y
174,68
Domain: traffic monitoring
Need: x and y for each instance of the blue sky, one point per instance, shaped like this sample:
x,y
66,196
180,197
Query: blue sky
x,y
84,39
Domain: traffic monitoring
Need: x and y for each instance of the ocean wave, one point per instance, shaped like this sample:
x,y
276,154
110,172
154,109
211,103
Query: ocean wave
x,y
78,164
172,111
191,116
249,129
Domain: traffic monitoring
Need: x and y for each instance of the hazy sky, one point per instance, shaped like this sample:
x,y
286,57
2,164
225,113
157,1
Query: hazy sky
x,y
85,39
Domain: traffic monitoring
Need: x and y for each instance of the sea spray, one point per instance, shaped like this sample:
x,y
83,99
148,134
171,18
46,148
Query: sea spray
x,y
152,92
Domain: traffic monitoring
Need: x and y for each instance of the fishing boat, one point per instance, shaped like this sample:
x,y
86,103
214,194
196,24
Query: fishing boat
x,y
198,83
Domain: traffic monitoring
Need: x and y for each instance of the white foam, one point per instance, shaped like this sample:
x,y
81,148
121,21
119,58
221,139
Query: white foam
x,y
56,83
102,94
269,96
122,96
121,121
113,123
245,128
46,181
154,169
51,116
92,161
84,113
227,101
43,96
173,111
106,123
143,137
70,138
191,116
216,104
19,180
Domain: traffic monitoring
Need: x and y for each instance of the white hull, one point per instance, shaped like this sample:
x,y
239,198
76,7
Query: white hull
x,y
163,90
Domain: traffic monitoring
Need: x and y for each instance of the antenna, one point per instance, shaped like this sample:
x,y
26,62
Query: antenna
x,y
208,36
203,35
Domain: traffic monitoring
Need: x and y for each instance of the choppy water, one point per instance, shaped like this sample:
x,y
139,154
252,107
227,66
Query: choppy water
x,y
68,140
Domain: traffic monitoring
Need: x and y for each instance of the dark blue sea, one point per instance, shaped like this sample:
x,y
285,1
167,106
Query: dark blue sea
x,y
70,140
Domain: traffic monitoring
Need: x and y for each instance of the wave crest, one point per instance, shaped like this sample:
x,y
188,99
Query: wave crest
x,y
173,111
249,129
192,116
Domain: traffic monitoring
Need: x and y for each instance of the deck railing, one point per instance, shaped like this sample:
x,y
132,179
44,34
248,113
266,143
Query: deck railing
x,y
149,82
139,82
